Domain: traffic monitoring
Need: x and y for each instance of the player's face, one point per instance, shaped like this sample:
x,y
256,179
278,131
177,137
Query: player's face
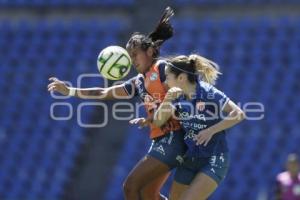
x,y
141,60
171,79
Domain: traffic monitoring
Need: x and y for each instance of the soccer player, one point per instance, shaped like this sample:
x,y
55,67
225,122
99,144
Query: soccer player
x,y
288,182
199,106
147,177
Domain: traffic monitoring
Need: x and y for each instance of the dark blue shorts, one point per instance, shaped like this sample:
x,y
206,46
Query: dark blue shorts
x,y
169,148
215,167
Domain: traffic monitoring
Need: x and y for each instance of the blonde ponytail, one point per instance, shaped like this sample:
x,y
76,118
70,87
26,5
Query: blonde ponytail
x,y
207,69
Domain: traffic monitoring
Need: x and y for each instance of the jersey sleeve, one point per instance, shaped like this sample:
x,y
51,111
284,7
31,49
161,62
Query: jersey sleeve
x,y
219,98
130,87
215,96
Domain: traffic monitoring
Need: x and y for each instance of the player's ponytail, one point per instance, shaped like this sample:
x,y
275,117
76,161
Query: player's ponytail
x,y
207,69
164,29
194,66
155,39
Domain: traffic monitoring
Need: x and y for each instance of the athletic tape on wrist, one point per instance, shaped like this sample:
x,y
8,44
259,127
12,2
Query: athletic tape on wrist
x,y
72,92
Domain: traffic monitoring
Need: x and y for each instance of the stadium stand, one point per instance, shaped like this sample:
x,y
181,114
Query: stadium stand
x,y
259,59
37,158
65,3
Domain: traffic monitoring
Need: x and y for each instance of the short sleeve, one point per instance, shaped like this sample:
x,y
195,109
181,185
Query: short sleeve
x,y
130,88
212,94
218,97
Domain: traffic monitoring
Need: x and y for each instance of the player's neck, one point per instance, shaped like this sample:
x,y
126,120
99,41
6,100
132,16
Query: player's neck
x,y
189,89
153,62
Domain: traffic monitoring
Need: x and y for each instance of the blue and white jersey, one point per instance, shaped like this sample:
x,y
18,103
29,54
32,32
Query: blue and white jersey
x,y
202,111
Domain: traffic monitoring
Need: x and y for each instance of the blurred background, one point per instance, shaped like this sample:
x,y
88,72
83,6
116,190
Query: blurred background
x,y
256,43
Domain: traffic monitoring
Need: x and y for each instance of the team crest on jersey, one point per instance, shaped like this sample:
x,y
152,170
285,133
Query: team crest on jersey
x,y
153,76
200,105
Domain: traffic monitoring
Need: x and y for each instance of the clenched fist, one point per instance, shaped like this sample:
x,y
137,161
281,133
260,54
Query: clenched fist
x,y
173,93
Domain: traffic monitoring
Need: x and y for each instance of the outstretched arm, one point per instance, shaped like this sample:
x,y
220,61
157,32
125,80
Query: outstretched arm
x,y
109,93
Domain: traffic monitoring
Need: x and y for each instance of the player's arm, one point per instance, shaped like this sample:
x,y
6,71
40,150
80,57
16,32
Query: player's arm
x,y
109,93
234,116
163,113
166,108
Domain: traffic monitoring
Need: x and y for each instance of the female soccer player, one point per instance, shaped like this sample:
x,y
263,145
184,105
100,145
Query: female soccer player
x,y
150,173
199,106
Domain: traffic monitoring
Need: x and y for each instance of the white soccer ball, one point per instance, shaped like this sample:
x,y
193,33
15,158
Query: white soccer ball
x,y
114,63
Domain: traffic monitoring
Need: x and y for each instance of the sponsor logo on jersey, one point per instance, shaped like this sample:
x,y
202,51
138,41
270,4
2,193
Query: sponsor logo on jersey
x,y
184,115
190,135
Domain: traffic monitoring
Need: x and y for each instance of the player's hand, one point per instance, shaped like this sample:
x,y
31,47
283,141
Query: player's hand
x,y
142,122
173,93
150,102
58,86
203,137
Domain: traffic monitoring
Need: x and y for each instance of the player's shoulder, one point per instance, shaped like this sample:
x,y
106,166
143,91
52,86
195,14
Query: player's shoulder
x,y
139,79
135,79
160,64
138,76
208,87
205,86
159,67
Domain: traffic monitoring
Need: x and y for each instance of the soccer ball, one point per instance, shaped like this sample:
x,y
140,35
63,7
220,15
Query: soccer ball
x,y
114,63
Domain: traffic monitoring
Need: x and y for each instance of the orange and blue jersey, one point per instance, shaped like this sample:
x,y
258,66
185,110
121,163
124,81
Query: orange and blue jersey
x,y
150,88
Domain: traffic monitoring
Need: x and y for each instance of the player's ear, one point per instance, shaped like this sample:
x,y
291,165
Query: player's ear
x,y
182,77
